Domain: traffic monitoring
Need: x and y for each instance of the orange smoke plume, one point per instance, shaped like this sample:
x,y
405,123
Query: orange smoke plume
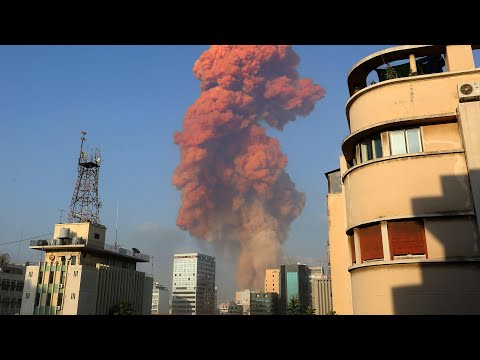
x,y
235,191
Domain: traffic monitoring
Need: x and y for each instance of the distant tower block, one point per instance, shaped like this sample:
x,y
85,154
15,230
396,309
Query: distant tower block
x,y
85,205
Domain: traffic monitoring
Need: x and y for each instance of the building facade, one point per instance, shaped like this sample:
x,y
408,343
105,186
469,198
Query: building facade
x,y
82,275
403,206
193,284
230,308
272,277
263,303
320,291
294,281
12,278
160,303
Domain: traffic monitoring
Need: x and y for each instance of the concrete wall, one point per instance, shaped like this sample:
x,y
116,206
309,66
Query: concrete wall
x,y
272,277
30,287
417,289
419,96
85,230
340,257
407,185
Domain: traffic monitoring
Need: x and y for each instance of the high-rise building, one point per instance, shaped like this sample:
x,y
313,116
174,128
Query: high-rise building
x,y
294,281
12,277
193,284
403,206
320,291
272,277
160,304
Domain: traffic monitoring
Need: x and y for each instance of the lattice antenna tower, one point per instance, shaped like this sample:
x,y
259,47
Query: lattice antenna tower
x,y
85,205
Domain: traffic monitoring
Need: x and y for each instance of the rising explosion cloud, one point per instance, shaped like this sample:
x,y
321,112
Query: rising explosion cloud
x,y
235,190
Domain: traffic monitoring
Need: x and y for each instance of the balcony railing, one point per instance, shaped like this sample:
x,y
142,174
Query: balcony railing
x,y
90,243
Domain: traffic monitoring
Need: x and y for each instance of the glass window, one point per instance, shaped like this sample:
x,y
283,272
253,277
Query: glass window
x,y
413,140
371,148
73,260
397,142
37,299
405,141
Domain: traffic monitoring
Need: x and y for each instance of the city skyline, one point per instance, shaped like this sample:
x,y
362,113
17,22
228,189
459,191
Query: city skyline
x,y
130,100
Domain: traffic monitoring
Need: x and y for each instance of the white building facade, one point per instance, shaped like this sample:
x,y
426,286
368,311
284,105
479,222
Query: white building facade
x,y
193,284
160,303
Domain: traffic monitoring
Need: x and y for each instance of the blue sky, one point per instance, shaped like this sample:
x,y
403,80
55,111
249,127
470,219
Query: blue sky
x,y
130,100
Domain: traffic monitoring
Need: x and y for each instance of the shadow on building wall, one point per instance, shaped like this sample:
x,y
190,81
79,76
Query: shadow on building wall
x,y
451,286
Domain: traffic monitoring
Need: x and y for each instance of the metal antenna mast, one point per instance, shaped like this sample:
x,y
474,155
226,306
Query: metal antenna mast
x,y
85,204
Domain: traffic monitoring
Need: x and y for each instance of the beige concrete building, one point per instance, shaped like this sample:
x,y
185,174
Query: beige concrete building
x,y
82,275
403,207
320,291
272,277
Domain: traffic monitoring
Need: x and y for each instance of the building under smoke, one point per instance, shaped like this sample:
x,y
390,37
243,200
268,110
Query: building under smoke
x,y
235,190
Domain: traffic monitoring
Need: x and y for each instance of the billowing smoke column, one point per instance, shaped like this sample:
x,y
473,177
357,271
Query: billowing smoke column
x,y
235,191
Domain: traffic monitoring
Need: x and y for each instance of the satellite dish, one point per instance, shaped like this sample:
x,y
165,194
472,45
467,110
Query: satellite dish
x,y
4,259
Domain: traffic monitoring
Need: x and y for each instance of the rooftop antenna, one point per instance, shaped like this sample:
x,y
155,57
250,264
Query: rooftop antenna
x,y
85,204
61,213
116,227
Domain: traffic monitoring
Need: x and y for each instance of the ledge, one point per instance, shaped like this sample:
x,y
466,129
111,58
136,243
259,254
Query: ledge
x,y
414,261
401,80
349,142
396,157
411,216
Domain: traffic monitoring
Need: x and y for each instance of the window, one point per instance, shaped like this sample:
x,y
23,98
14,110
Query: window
x,y
72,296
50,278
59,299
27,295
96,236
73,260
371,148
371,247
75,273
30,273
37,299
49,298
407,237
352,248
405,141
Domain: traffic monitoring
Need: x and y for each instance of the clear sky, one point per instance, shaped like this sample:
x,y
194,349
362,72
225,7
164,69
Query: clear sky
x,y
130,100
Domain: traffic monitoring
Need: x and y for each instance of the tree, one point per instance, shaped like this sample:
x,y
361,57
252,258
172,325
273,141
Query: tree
x,y
122,308
294,306
309,310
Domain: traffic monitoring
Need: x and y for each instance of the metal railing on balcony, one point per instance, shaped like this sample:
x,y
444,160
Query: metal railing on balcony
x,y
90,243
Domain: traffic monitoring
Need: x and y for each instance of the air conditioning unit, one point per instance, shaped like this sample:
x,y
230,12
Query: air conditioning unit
x,y
469,92
60,286
59,307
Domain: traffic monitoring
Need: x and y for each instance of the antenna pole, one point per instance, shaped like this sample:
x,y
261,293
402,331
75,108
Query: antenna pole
x,y
116,227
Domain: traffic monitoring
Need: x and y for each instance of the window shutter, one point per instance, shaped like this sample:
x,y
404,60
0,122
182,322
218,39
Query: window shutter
x,y
407,237
371,242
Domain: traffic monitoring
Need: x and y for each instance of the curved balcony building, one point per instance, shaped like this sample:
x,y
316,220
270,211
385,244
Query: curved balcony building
x,y
403,206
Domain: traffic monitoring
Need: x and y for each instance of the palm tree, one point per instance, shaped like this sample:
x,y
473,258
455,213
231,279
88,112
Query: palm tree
x,y
122,308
